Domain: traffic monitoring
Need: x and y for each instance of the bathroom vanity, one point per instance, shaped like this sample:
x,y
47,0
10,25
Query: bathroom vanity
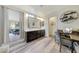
x,y
33,35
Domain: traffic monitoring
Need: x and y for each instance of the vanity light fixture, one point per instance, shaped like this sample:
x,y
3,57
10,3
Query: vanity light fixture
x,y
31,15
40,19
26,15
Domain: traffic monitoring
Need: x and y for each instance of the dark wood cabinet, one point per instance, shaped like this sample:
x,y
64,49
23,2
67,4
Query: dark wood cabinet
x,y
33,35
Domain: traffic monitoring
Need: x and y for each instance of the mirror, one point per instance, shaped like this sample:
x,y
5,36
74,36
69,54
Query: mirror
x,y
14,25
35,22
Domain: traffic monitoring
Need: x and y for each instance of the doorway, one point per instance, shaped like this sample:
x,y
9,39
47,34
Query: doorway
x,y
52,26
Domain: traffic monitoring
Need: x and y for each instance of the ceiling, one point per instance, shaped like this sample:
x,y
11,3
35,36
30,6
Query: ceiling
x,y
46,10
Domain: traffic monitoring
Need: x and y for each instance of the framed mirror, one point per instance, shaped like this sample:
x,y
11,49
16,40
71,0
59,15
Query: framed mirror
x,y
33,22
41,23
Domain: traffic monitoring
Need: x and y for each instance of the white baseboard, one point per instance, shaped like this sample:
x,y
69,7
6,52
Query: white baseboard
x,y
4,48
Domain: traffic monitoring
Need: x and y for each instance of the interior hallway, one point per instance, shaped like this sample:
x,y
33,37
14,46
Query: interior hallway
x,y
43,45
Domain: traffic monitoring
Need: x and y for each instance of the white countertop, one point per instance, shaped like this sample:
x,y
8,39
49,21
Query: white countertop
x,y
33,29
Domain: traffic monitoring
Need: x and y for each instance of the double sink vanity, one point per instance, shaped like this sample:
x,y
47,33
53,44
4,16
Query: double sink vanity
x,y
34,34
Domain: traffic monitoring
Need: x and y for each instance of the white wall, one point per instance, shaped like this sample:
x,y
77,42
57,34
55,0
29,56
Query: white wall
x,y
74,24
46,27
59,10
1,26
